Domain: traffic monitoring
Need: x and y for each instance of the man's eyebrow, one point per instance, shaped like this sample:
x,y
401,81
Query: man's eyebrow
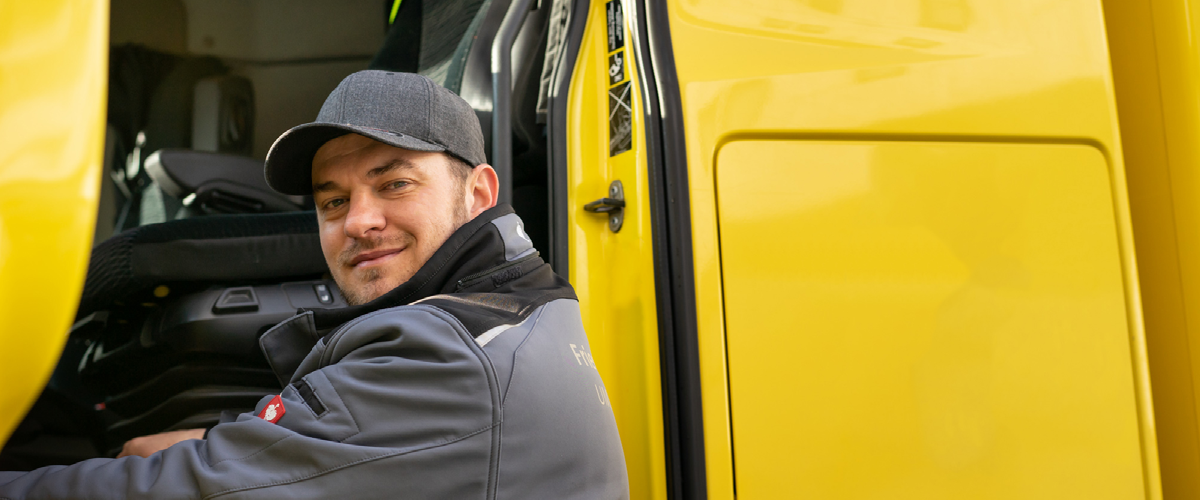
x,y
396,164
324,186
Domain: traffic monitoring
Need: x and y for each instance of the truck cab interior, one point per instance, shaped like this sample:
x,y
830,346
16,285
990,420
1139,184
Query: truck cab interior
x,y
194,255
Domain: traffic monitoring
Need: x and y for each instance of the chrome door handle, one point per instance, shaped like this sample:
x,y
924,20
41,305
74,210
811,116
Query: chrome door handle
x,y
613,205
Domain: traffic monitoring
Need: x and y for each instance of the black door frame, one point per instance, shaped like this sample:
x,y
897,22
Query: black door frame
x,y
671,228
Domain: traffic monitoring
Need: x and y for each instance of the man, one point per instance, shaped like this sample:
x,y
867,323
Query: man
x,y
461,370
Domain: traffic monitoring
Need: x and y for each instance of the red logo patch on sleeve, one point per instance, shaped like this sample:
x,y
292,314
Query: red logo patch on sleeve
x,y
273,411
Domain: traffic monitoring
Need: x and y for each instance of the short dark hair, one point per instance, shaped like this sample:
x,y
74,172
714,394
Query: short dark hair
x,y
459,169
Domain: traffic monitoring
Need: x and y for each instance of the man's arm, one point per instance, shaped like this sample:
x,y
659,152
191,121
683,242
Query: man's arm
x,y
403,401
184,469
145,446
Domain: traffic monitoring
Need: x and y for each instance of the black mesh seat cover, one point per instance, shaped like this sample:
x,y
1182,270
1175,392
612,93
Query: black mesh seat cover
x,y
432,38
203,249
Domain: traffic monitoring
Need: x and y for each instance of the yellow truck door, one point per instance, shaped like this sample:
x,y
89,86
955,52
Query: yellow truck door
x,y
913,260
53,68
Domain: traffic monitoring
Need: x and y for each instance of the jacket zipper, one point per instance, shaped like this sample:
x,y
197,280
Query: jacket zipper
x,y
478,277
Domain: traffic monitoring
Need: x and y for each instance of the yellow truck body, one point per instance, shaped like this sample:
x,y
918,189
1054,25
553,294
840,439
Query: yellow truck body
x,y
930,248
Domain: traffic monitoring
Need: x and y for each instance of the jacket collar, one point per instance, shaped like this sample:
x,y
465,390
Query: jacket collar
x,y
465,262
493,238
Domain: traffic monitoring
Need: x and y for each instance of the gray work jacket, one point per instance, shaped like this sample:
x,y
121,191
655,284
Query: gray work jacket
x,y
472,380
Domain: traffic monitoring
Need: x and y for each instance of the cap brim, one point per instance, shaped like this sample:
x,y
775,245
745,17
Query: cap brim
x,y
289,162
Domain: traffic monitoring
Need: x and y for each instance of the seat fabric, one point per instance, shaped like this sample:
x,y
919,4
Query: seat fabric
x,y
204,249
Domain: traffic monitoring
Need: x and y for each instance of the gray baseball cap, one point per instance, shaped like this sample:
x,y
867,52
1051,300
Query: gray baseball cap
x,y
404,110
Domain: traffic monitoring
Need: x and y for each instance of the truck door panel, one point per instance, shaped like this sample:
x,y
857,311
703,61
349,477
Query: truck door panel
x,y
931,320
981,75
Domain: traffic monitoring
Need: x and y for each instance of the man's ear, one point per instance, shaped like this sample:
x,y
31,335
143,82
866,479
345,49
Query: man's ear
x,y
483,190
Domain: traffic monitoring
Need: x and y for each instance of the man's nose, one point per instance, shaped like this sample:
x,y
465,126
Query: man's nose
x,y
364,216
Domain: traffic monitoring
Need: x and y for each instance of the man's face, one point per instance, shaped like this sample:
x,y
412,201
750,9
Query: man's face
x,y
383,211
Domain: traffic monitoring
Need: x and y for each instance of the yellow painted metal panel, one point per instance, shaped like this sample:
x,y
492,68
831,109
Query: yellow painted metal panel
x,y
930,321
1156,70
923,70
613,273
53,69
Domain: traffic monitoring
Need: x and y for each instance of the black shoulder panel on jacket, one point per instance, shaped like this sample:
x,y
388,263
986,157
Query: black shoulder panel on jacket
x,y
508,304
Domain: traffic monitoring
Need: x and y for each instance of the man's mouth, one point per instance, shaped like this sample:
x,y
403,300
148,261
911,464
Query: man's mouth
x,y
374,257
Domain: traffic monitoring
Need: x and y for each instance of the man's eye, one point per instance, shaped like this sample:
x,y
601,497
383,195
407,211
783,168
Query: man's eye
x,y
397,184
334,203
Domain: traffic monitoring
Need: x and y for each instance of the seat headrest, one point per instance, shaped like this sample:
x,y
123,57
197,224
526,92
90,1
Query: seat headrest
x,y
223,115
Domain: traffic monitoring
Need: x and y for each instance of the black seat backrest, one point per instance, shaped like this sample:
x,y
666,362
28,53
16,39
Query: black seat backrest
x,y
170,112
447,34
449,42
195,104
432,38
223,115
240,248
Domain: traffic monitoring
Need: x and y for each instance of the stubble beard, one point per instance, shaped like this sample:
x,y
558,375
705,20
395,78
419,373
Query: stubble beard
x,y
362,288
367,289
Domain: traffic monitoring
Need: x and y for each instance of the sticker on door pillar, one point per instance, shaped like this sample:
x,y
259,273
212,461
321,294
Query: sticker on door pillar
x,y
616,67
620,119
620,100
616,25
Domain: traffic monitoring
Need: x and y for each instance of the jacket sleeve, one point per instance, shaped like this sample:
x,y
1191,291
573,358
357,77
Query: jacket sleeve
x,y
399,390
248,452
